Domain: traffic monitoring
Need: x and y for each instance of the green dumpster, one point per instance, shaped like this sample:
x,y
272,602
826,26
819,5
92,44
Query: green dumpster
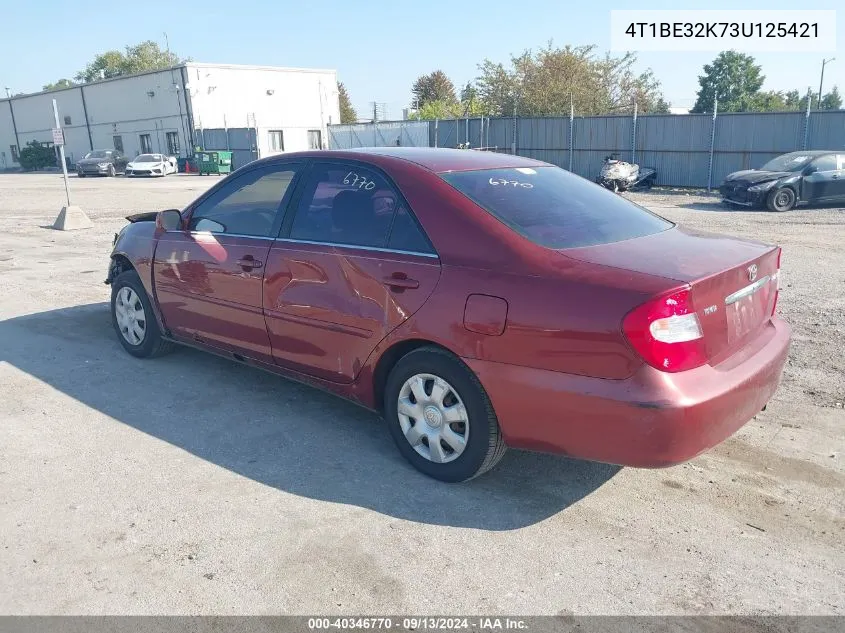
x,y
214,162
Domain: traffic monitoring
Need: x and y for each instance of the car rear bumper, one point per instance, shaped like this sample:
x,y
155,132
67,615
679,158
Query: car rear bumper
x,y
651,419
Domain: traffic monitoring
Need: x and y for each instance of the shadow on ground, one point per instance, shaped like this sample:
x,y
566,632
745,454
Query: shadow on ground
x,y
277,432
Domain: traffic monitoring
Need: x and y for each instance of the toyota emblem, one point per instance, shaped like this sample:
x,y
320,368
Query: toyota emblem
x,y
752,272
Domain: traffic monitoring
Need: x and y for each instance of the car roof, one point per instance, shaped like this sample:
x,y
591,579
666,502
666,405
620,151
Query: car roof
x,y
438,160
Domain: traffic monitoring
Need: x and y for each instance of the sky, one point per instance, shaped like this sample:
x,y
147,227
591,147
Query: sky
x,y
378,48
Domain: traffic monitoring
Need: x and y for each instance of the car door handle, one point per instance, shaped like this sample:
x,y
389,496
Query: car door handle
x,y
249,262
401,281
836,176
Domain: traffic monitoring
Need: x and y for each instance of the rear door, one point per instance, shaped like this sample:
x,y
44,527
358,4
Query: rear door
x,y
351,265
208,278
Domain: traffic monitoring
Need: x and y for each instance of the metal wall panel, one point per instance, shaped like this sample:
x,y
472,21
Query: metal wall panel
x,y
677,146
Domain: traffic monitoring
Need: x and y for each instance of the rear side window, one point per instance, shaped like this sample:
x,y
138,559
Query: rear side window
x,y
555,208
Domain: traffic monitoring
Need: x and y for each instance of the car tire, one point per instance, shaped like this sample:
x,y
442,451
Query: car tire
x,y
429,371
111,173
127,293
78,175
782,199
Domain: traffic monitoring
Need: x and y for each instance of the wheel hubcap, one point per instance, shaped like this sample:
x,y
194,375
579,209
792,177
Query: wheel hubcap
x,y
433,418
130,316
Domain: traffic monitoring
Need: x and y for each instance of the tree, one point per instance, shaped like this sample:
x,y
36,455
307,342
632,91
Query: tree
x,y
435,86
543,83
734,78
58,85
146,55
832,100
37,155
770,101
347,112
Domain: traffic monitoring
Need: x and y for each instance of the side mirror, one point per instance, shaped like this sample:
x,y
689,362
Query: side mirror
x,y
810,169
169,220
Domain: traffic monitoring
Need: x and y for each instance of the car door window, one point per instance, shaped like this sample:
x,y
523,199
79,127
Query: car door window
x,y
406,234
345,205
825,163
247,205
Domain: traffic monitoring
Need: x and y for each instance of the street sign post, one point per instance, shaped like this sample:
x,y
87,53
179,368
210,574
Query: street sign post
x,y
59,139
70,217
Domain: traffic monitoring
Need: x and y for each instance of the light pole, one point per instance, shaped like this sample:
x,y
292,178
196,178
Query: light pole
x,y
821,81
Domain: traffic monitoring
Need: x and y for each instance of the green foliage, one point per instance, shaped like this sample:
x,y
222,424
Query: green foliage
x,y
543,83
37,155
347,112
58,85
146,55
832,100
735,78
435,86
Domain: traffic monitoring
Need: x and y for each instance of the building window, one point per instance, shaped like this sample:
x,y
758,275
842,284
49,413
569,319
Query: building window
x,y
146,144
14,149
118,142
277,141
67,120
315,140
173,143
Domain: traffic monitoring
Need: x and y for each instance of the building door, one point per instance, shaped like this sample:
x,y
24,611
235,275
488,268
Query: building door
x,y
351,266
146,144
118,143
209,276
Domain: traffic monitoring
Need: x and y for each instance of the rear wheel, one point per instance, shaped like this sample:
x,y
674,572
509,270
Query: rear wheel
x,y
133,318
440,416
781,199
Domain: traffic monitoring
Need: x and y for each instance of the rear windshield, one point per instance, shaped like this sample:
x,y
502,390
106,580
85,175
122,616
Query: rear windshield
x,y
555,208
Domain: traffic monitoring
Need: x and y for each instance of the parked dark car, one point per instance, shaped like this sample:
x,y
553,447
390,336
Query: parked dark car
x,y
476,300
101,162
797,178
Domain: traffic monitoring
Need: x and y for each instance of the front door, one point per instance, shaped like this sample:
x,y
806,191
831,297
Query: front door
x,y
351,266
208,278
823,181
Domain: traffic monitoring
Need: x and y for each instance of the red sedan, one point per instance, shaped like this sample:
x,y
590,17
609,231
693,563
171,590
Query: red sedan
x,y
476,300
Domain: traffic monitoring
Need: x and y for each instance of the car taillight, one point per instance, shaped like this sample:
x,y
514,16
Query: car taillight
x,y
666,332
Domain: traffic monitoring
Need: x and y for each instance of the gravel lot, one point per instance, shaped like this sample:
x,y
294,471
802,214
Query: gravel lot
x,y
189,484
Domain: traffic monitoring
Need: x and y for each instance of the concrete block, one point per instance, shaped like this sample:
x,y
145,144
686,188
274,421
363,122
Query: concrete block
x,y
72,218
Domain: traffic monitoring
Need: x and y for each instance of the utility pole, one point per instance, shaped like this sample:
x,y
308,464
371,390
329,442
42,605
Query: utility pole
x,y
821,80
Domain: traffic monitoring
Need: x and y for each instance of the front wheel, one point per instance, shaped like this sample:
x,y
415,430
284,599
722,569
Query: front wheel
x,y
781,199
133,318
440,416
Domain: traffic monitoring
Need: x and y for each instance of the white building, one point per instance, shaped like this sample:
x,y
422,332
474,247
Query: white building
x,y
255,111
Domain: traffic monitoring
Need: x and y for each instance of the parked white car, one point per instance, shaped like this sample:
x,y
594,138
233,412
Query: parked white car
x,y
152,165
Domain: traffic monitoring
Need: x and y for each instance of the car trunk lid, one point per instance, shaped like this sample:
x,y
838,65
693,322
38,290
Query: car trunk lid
x,y
732,282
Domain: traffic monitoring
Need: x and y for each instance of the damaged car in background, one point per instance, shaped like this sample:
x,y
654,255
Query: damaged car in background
x,y
797,178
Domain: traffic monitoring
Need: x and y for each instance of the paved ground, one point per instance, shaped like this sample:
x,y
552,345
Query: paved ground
x,y
189,484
